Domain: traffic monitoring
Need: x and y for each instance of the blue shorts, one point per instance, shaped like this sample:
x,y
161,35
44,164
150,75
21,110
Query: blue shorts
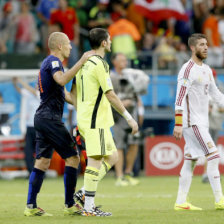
x,y
53,135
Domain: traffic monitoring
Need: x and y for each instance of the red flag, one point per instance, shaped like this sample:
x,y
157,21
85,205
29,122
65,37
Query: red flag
x,y
157,10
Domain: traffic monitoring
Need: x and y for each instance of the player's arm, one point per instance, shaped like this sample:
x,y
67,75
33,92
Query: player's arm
x,y
178,128
183,85
63,78
68,97
215,93
25,85
119,107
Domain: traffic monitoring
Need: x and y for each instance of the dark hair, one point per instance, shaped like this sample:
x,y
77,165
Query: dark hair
x,y
96,36
192,40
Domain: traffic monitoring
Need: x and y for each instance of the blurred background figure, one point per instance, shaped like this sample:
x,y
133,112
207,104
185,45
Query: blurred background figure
x,y
99,15
126,143
211,30
44,9
7,28
29,103
67,18
26,35
3,116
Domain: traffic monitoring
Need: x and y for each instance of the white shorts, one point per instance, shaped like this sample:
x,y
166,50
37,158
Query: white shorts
x,y
198,142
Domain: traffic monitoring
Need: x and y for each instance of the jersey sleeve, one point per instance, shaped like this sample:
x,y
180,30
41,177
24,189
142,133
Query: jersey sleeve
x,y
103,76
184,82
55,65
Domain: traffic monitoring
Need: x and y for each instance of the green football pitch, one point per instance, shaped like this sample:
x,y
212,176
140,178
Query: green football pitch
x,y
150,202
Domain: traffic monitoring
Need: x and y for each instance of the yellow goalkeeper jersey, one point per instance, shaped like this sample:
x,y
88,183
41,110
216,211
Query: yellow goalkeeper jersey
x,y
92,82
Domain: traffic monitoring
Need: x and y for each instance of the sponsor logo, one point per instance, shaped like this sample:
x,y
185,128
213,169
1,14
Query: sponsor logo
x,y
166,155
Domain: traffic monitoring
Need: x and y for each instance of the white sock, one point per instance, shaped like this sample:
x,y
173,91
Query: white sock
x,y
185,179
83,190
214,176
89,203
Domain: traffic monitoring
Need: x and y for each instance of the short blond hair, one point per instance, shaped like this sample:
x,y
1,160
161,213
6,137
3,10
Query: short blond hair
x,y
55,39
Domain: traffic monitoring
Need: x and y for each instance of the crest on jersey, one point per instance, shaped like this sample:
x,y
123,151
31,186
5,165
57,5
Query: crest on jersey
x,y
55,64
210,145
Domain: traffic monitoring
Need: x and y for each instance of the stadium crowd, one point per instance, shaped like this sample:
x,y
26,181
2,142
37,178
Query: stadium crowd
x,y
26,24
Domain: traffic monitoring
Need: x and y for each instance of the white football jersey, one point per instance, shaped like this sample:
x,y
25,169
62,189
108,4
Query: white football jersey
x,y
195,85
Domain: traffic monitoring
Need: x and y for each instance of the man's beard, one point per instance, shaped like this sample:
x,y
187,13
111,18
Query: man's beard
x,y
200,56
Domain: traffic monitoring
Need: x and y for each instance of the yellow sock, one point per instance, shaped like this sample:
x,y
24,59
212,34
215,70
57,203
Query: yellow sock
x,y
105,167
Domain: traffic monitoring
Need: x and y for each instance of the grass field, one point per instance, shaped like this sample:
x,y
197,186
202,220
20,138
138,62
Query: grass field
x,y
150,202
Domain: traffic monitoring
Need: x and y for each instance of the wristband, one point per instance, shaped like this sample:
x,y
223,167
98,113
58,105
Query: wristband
x,y
126,115
178,120
141,111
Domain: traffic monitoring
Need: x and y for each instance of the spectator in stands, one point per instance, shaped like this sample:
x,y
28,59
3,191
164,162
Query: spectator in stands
x,y
66,16
200,9
210,29
99,16
166,52
7,28
79,6
124,33
135,17
44,9
26,32
30,102
3,116
149,44
126,143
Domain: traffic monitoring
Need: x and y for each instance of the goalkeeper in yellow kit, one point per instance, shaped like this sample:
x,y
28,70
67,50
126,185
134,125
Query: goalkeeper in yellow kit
x,y
93,96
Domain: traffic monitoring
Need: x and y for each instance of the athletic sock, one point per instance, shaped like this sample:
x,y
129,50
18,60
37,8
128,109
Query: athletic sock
x,y
35,183
105,167
70,180
90,185
214,176
185,181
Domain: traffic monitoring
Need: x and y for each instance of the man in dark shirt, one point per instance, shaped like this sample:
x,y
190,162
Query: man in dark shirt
x,y
50,130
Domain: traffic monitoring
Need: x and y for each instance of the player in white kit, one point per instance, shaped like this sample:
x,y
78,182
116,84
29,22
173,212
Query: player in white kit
x,y
195,85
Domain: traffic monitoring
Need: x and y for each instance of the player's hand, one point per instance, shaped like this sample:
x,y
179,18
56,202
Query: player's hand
x,y
87,55
134,126
178,132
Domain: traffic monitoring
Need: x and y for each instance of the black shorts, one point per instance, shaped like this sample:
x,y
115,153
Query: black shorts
x,y
53,135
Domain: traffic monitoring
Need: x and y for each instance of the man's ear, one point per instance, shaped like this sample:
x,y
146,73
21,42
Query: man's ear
x,y
192,48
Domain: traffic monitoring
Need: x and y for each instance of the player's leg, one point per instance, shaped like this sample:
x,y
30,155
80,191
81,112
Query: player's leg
x,y
119,169
65,146
91,178
97,145
210,151
120,138
111,154
214,178
29,148
43,157
130,160
191,153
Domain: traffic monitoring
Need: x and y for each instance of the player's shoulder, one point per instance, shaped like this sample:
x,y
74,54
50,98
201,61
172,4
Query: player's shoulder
x,y
52,61
188,65
99,62
207,67
187,68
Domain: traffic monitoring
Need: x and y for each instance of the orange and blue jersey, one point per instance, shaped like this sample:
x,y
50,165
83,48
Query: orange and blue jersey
x,y
51,93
